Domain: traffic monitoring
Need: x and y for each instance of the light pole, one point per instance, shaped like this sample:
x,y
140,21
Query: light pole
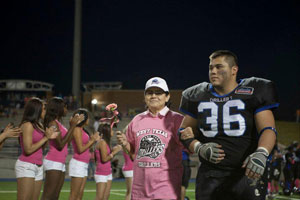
x,y
77,52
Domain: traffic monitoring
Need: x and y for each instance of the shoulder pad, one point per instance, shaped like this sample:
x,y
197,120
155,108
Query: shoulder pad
x,y
254,81
195,92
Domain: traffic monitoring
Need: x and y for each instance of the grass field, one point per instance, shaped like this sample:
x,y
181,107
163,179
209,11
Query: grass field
x,y
8,191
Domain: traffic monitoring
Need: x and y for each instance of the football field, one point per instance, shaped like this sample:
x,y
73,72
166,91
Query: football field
x,y
118,191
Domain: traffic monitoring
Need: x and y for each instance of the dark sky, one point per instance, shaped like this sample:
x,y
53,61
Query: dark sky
x,y
131,41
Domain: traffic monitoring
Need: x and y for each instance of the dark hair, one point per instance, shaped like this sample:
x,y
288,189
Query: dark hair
x,y
85,113
55,110
105,130
230,57
32,112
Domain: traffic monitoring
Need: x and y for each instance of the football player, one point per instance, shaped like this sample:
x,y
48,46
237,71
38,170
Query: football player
x,y
236,129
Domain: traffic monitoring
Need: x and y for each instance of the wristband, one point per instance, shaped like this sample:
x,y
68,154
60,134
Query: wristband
x,y
178,132
264,149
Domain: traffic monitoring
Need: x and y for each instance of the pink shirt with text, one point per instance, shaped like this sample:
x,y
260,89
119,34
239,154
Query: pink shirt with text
x,y
157,166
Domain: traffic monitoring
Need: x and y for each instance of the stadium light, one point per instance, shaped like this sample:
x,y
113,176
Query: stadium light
x,y
94,101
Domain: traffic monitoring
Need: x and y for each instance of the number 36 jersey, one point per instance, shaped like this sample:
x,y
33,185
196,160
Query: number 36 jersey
x,y
229,119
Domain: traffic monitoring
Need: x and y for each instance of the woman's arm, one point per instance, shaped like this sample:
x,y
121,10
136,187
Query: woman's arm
x,y
77,134
122,140
62,141
29,147
105,157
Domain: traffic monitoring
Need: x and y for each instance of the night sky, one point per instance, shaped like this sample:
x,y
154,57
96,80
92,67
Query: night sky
x,y
131,41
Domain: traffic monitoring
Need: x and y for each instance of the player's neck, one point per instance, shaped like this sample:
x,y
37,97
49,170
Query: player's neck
x,y
225,89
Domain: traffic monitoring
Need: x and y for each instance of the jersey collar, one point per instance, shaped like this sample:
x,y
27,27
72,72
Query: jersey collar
x,y
162,112
212,90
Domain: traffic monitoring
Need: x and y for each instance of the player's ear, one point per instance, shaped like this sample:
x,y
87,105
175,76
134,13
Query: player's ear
x,y
234,70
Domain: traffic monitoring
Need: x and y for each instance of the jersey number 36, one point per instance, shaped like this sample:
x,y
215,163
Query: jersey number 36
x,y
227,118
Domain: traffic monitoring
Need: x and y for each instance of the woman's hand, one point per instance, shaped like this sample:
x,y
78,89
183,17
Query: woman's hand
x,y
121,137
96,137
11,131
51,133
76,119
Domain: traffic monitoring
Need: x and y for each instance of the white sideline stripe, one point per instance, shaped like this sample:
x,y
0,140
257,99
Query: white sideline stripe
x,y
289,198
119,194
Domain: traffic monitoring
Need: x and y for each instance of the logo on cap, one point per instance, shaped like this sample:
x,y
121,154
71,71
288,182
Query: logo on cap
x,y
155,81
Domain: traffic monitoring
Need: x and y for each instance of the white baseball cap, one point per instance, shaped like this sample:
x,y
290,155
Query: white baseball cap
x,y
157,82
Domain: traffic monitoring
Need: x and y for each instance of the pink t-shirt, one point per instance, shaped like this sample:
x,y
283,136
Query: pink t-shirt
x,y
84,156
103,168
37,156
128,164
157,166
54,154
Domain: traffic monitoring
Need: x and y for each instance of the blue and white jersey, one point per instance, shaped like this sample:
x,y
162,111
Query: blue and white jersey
x,y
229,119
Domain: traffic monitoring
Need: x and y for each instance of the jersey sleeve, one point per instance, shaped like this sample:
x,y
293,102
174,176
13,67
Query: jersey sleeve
x,y
267,96
188,105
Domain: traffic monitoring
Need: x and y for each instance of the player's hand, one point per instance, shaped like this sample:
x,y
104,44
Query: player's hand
x,y
186,133
211,152
121,137
255,163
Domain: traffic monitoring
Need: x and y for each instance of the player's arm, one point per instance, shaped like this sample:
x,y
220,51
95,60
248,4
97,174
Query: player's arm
x,y
265,124
211,152
256,162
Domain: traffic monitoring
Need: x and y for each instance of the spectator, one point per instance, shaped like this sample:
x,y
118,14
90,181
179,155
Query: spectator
x,y
152,137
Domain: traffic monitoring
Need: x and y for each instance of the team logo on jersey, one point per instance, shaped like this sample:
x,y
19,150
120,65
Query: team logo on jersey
x,y
150,146
244,90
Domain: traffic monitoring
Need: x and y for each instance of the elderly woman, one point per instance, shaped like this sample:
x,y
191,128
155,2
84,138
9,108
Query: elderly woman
x,y
152,137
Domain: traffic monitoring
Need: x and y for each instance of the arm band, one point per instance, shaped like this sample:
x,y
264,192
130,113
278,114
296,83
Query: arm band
x,y
269,127
186,143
